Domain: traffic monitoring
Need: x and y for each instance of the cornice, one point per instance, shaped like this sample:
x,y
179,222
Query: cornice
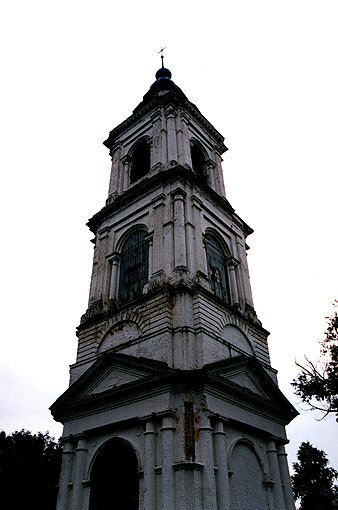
x,y
141,189
163,379
170,98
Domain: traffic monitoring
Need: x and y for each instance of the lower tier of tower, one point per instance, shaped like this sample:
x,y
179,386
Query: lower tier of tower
x,y
141,436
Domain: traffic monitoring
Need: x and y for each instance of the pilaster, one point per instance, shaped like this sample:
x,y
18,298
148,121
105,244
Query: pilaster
x,y
285,477
232,264
114,261
168,482
221,460
79,473
208,476
180,249
65,484
149,487
115,169
171,131
278,496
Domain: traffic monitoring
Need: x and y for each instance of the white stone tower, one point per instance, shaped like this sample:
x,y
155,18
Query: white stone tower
x,y
172,402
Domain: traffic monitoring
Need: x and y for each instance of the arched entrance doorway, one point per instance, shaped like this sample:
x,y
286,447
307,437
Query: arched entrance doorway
x,y
114,480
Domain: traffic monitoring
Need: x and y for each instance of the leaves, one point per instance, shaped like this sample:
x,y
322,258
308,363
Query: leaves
x,y
312,481
317,383
29,470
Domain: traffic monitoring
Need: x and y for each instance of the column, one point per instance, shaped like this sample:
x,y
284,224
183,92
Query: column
x,y
102,266
164,145
190,238
115,169
125,172
65,476
79,473
171,133
149,489
180,250
186,149
278,496
219,183
285,477
156,226
208,478
168,481
149,238
232,263
114,261
223,489
156,139
199,248
211,174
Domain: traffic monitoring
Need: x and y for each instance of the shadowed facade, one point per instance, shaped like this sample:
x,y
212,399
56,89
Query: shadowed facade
x,y
172,403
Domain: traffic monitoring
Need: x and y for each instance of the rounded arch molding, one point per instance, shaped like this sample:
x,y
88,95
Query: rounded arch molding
x,y
106,442
249,444
234,335
113,475
139,141
196,142
127,326
240,329
221,238
121,239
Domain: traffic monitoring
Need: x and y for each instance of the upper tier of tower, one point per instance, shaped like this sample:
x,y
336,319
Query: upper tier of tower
x,y
165,130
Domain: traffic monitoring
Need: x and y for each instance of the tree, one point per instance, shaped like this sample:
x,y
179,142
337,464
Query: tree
x,y
317,384
29,470
313,479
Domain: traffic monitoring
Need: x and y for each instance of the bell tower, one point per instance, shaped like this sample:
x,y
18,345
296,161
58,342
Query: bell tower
x,y
172,403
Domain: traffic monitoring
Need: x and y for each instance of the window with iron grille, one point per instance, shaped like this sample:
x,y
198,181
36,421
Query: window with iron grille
x,y
217,268
134,266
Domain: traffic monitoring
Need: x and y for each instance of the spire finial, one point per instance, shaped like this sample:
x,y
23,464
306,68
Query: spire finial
x,y
162,57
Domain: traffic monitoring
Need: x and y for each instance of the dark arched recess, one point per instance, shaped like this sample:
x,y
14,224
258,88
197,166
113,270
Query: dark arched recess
x,y
198,163
114,478
140,161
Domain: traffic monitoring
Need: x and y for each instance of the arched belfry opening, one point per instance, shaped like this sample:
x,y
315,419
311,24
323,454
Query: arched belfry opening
x,y
217,269
133,266
114,478
140,161
199,163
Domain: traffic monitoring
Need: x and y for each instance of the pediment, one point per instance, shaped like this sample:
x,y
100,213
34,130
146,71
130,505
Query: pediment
x,y
112,377
246,374
246,380
110,373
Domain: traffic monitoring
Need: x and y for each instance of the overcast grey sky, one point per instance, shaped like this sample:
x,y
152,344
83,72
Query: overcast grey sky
x,y
263,72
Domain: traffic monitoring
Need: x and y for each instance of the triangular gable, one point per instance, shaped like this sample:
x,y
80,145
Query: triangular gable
x,y
110,372
245,374
247,380
112,377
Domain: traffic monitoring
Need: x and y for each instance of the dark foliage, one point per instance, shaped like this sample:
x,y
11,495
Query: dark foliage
x,y
29,470
313,480
317,384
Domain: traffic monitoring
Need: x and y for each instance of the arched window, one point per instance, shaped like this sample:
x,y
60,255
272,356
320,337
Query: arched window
x,y
198,163
217,268
246,483
114,479
134,266
140,161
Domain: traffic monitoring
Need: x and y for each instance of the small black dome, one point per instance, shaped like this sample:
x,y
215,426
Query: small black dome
x,y
163,72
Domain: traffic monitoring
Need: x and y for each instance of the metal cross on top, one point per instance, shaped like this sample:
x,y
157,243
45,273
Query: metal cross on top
x,y
162,57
